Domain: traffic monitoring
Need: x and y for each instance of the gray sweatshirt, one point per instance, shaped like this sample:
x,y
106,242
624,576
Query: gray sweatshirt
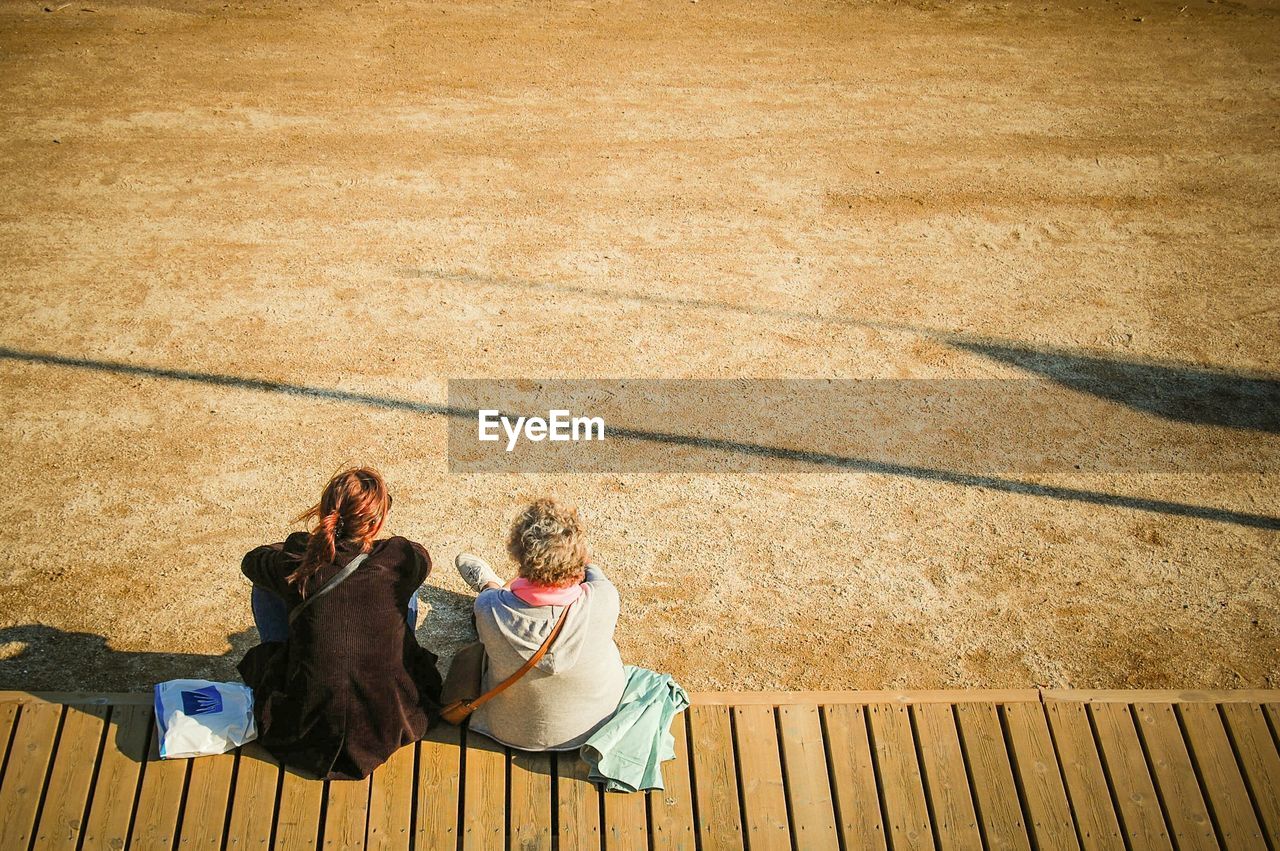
x,y
574,688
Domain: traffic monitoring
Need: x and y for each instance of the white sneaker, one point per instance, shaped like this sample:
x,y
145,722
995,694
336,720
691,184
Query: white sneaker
x,y
475,571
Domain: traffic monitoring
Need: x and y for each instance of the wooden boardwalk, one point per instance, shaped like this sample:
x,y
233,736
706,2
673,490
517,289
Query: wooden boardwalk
x,y
841,770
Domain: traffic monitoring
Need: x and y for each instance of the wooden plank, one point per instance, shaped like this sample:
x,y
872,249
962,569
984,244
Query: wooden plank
x,y
1174,777
1087,787
1238,780
578,819
8,717
29,756
946,782
1261,762
73,765
764,798
391,802
715,779
853,777
625,821
671,808
160,799
298,819
204,815
1140,815
253,803
995,791
1035,767
861,698
804,756
905,809
439,786
67,698
530,812
111,802
1229,802
346,814
484,809
1162,695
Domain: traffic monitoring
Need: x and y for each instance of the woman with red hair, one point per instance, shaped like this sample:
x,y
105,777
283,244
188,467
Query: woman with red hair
x,y
340,682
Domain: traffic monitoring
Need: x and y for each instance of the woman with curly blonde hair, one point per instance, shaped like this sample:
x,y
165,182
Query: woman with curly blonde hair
x,y
576,686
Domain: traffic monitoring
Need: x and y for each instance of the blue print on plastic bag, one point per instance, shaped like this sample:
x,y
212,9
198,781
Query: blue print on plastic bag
x,y
202,701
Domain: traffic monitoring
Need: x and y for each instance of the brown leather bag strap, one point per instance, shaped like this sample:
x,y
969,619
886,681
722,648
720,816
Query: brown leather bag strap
x,y
526,667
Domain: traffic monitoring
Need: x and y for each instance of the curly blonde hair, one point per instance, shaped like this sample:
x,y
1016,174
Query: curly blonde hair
x,y
548,541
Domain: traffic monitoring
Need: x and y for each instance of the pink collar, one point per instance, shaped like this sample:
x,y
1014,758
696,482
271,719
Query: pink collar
x,y
544,595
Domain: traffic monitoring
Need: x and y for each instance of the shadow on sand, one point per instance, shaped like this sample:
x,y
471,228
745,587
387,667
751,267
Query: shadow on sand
x,y
1181,392
1259,391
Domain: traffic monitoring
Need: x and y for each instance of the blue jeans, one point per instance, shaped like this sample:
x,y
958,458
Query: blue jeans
x,y
271,614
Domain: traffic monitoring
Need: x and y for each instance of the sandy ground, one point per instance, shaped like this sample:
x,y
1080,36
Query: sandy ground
x,y
375,197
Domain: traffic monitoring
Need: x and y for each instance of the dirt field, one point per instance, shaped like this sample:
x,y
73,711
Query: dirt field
x,y
200,199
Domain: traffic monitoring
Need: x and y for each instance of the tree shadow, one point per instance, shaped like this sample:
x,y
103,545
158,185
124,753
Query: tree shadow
x,y
1181,392
1178,392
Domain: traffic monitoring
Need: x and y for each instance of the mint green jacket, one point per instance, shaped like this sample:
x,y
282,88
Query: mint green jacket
x,y
627,752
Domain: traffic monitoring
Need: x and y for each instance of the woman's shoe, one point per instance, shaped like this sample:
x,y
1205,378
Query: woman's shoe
x,y
475,571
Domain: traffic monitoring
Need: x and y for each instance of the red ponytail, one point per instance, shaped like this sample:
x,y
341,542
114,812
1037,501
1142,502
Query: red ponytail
x,y
352,507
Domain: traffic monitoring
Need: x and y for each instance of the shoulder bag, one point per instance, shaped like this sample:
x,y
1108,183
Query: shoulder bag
x,y
466,675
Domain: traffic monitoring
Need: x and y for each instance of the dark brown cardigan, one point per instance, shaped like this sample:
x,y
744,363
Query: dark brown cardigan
x,y
351,685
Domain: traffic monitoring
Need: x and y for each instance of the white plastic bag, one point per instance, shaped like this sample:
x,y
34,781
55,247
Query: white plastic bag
x,y
200,718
